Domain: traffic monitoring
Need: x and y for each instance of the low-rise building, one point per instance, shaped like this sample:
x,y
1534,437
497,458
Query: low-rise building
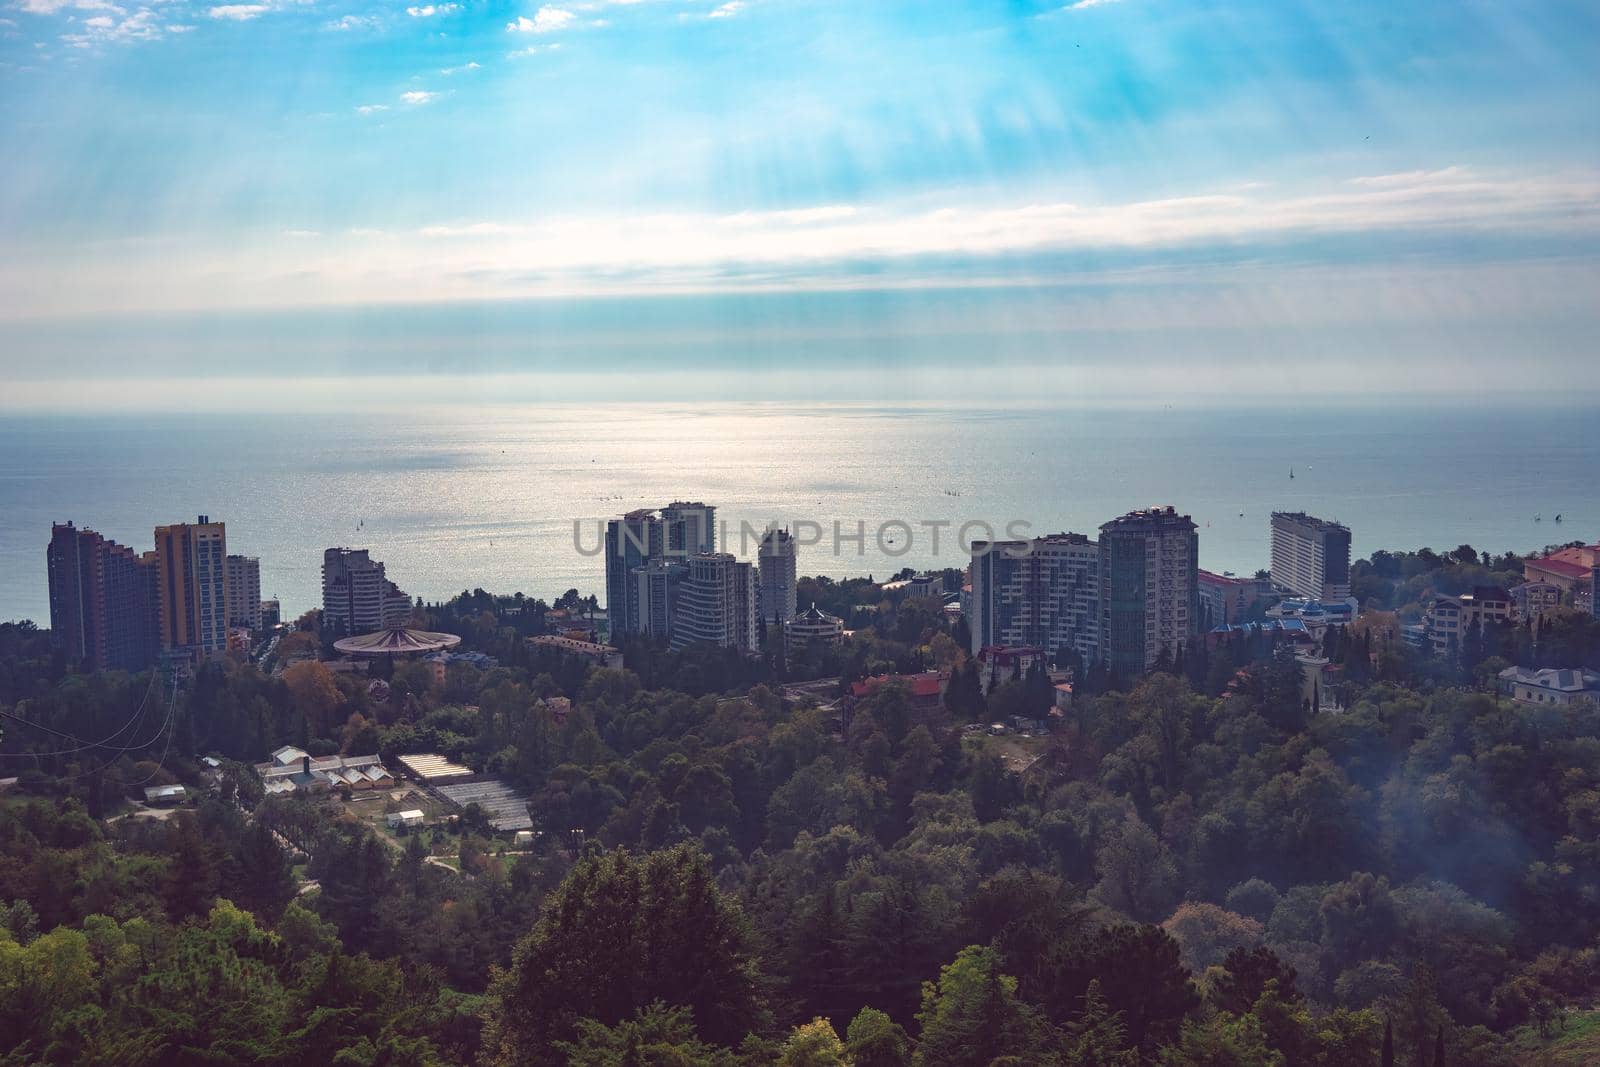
x,y
1443,624
405,820
292,769
163,795
1550,685
1532,599
434,769
1292,632
1451,618
1320,681
1569,568
1227,598
1317,614
999,664
812,627
597,654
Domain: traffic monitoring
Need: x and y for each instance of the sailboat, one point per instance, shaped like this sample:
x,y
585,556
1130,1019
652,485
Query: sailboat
x,y
1291,474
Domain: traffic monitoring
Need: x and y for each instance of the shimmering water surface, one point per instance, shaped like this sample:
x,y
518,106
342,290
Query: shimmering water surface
x,y
489,498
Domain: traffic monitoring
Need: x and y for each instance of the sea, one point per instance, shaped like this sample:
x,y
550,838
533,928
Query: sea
x,y
510,499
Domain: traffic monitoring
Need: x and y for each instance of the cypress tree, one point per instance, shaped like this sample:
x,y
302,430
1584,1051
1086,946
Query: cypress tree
x,y
1438,1048
1387,1059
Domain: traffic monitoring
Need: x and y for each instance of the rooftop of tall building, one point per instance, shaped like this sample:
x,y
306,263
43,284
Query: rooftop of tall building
x,y
1157,516
1213,578
1066,538
1309,520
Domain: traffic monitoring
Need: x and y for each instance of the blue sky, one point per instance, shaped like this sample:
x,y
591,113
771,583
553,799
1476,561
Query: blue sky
x,y
1111,195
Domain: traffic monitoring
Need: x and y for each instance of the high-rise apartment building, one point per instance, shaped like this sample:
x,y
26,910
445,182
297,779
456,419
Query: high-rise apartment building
x,y
101,608
357,596
244,592
716,603
1310,556
679,531
1149,589
656,595
1043,593
631,541
691,528
776,562
191,572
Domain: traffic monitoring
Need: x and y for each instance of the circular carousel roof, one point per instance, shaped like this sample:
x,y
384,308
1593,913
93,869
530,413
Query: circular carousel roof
x,y
397,641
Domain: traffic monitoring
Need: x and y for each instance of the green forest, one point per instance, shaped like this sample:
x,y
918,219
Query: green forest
x,y
1190,869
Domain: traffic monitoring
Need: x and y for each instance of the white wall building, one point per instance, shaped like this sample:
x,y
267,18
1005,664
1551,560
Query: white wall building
x,y
717,603
1310,556
776,562
1044,593
244,592
1549,686
357,596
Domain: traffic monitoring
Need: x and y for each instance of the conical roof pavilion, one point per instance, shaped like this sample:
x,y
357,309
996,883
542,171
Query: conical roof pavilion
x,y
396,641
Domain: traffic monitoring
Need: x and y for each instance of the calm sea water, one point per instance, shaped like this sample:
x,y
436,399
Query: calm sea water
x,y
489,498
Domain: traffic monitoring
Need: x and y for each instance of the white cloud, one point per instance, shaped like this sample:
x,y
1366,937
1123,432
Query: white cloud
x,y
470,65
50,7
1081,4
533,50
142,25
368,109
727,10
1410,177
352,22
547,19
239,12
419,96
658,249
427,11
964,240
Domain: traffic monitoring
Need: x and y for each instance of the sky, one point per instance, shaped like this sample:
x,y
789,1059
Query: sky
x,y
307,204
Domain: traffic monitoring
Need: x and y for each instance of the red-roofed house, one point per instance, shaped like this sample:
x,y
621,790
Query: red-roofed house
x,y
926,689
1566,568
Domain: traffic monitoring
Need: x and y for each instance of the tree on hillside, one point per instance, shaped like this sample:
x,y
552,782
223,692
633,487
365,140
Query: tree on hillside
x,y
621,932
972,1016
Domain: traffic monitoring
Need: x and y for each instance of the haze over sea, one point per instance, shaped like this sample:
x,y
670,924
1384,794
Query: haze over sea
x,y
488,498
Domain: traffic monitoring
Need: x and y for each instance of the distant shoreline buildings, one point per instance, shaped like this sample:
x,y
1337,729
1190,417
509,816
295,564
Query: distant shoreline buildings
x,y
666,580
1044,593
1149,588
1310,556
104,607
117,609
357,595
1126,600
